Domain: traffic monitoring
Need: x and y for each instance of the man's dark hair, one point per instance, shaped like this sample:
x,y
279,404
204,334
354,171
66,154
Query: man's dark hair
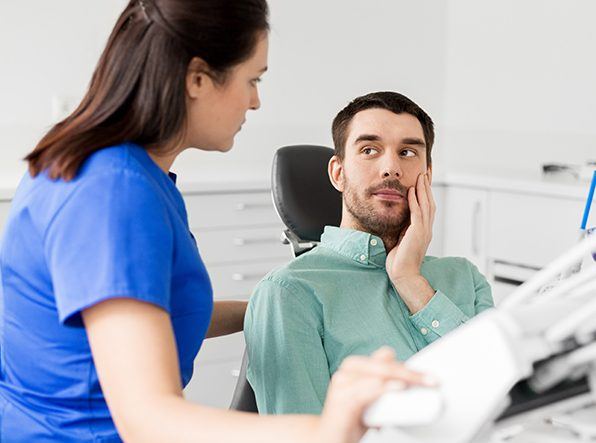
x,y
391,101
137,92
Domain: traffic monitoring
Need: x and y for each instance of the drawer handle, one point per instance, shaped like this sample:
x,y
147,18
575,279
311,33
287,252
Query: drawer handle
x,y
248,206
239,241
235,373
244,277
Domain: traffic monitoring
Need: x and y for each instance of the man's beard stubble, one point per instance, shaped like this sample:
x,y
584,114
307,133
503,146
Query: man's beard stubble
x,y
387,227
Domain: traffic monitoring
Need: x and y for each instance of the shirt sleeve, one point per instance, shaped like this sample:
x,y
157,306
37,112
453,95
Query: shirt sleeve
x,y
439,317
288,368
111,238
484,297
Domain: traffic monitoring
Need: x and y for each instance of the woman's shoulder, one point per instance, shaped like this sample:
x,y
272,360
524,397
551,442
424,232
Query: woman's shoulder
x,y
109,176
110,169
124,158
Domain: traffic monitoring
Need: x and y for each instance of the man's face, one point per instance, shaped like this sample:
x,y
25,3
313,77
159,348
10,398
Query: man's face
x,y
384,155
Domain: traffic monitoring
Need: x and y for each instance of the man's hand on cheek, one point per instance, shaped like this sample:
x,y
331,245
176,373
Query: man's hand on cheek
x,y
404,260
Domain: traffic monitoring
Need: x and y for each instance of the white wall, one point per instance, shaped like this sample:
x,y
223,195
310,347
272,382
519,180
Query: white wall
x,y
520,83
323,53
509,83
47,49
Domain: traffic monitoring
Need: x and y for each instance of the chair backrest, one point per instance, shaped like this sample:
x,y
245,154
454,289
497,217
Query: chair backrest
x,y
305,201
243,398
302,193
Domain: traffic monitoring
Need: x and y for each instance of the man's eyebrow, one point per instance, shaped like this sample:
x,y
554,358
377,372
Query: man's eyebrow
x,y
368,138
413,141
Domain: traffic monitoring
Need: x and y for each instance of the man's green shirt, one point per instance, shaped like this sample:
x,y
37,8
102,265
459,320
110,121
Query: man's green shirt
x,y
337,300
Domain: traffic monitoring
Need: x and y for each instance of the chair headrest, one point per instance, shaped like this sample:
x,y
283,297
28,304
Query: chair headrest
x,y
303,195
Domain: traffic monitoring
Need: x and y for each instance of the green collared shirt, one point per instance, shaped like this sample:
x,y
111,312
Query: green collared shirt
x,y
337,300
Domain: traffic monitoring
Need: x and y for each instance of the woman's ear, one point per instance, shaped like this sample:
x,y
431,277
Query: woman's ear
x,y
335,170
198,80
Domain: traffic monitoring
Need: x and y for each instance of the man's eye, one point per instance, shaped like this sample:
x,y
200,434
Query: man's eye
x,y
254,81
368,150
408,153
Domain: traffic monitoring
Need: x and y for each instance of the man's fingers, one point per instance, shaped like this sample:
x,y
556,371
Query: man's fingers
x,y
421,194
415,214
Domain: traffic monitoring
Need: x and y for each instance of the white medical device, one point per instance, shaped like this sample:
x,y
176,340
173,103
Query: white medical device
x,y
544,337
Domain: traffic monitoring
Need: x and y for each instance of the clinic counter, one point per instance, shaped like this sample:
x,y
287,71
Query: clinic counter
x,y
532,183
508,181
9,183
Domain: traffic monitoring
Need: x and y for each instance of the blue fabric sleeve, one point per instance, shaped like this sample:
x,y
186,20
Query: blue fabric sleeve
x,y
111,238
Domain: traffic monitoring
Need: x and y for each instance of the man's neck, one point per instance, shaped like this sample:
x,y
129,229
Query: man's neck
x,y
389,240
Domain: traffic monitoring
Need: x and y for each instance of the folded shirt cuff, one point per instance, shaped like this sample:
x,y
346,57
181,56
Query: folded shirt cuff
x,y
438,317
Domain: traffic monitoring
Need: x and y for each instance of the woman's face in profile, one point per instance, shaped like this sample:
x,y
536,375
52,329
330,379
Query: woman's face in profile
x,y
216,112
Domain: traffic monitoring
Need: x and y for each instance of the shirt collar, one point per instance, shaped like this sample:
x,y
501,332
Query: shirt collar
x,y
362,247
142,155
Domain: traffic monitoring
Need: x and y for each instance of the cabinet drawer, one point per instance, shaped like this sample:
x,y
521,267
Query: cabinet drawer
x,y
213,384
238,281
531,229
228,347
464,220
238,245
225,210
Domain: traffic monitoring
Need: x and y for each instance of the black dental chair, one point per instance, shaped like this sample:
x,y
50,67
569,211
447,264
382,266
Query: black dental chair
x,y
306,202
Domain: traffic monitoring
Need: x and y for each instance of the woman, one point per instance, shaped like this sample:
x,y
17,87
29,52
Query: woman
x,y
107,300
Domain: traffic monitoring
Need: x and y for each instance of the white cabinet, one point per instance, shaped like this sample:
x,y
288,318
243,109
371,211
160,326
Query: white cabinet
x,y
239,238
236,281
241,244
213,383
465,224
4,208
508,231
532,229
218,210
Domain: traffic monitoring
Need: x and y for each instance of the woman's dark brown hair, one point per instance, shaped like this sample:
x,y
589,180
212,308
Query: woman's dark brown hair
x,y
137,92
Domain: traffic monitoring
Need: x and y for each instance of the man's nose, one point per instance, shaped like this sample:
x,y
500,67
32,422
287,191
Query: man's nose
x,y
392,168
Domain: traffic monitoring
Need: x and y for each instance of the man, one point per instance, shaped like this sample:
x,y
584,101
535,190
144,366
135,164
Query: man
x,y
368,283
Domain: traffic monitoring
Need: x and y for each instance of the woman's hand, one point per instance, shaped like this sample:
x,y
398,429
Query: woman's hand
x,y
358,382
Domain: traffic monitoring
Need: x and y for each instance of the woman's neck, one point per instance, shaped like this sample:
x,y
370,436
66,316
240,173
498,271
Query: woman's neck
x,y
164,155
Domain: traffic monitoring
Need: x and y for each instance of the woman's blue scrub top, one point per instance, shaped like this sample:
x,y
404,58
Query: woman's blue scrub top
x,y
119,229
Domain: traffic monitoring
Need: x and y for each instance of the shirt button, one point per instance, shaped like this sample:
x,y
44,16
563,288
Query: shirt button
x,y
424,331
435,324
363,257
373,242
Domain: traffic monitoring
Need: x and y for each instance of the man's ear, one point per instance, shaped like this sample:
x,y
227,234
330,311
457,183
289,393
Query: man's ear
x,y
198,80
429,172
335,170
